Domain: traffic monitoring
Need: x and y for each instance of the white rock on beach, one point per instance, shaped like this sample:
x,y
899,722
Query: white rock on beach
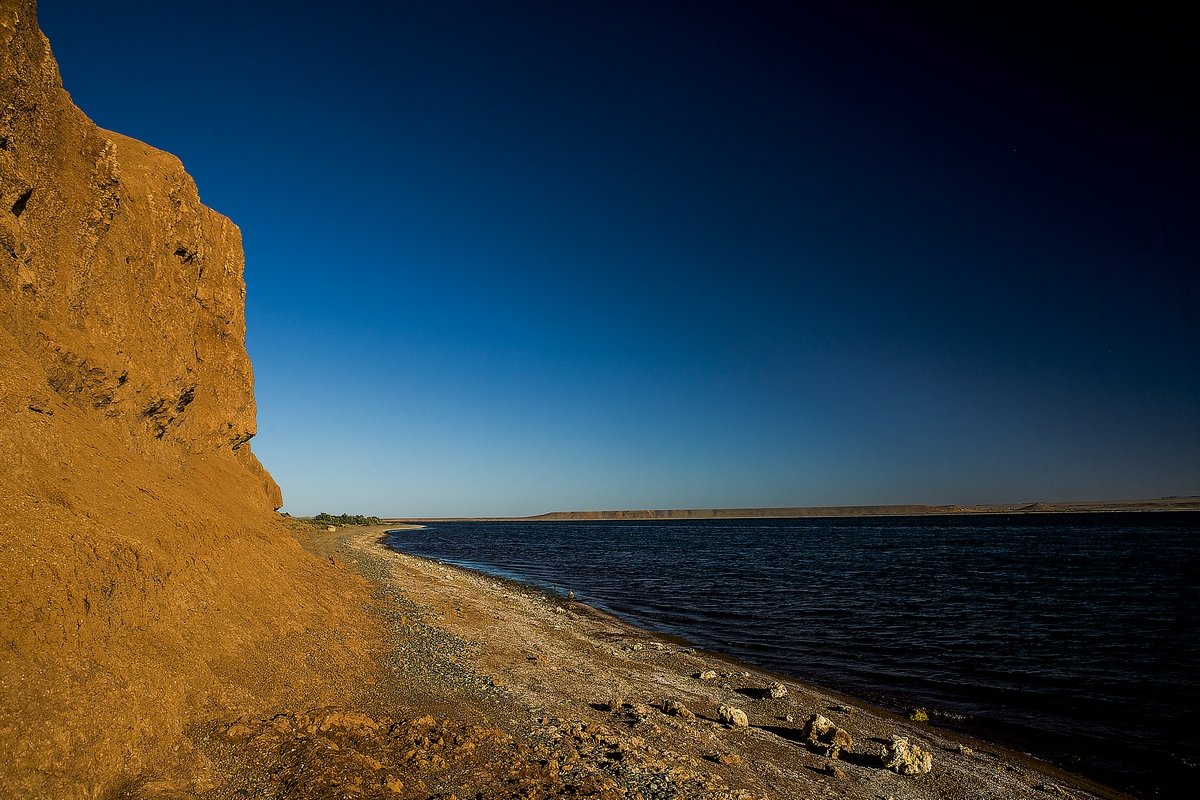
x,y
733,716
822,734
902,756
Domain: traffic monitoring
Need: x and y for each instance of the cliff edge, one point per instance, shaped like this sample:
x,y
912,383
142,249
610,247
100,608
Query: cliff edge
x,y
147,579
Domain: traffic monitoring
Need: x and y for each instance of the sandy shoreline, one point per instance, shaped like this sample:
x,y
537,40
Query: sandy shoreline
x,y
553,698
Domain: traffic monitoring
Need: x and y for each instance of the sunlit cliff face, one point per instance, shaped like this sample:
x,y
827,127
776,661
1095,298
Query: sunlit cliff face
x,y
147,579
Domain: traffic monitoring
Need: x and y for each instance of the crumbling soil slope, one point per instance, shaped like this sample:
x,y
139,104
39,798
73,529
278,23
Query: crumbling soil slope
x,y
146,578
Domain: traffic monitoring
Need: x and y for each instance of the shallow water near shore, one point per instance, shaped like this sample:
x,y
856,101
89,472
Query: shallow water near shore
x,y
1072,637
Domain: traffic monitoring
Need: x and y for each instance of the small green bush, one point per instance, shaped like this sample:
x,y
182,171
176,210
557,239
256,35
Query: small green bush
x,y
346,519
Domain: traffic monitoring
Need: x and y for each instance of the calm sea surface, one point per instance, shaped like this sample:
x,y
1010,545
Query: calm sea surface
x,y
1071,637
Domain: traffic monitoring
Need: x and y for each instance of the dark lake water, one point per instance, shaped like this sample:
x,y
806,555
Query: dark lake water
x,y
1073,637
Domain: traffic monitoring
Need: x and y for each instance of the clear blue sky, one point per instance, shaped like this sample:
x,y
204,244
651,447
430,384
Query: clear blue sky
x,y
506,258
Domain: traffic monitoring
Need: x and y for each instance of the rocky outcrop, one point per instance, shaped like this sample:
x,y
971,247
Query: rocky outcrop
x,y
147,580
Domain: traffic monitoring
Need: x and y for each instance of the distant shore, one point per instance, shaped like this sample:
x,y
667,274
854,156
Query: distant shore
x,y
1190,503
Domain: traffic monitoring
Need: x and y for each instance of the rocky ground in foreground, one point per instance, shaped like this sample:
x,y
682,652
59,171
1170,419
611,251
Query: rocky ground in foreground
x,y
493,690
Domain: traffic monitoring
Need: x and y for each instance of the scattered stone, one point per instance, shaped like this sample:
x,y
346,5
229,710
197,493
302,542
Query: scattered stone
x,y
614,702
677,709
570,595
900,755
966,751
559,610
238,730
641,711
729,759
789,718
1054,789
834,770
918,715
827,738
777,691
843,709
360,723
707,675
733,716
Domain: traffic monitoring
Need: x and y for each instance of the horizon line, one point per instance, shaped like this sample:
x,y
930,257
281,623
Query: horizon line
x,y
1164,503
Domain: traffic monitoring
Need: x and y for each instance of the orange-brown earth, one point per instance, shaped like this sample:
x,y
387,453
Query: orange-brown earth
x,y
165,634
146,576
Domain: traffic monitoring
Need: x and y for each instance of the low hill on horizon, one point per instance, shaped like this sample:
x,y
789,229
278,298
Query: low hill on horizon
x,y
1191,503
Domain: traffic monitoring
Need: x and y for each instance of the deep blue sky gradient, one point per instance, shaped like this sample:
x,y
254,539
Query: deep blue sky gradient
x,y
505,258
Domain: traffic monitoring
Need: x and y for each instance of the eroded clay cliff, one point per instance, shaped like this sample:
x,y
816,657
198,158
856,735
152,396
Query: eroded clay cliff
x,y
145,575
123,291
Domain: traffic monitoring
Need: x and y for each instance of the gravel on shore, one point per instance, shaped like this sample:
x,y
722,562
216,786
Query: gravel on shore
x,y
490,689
